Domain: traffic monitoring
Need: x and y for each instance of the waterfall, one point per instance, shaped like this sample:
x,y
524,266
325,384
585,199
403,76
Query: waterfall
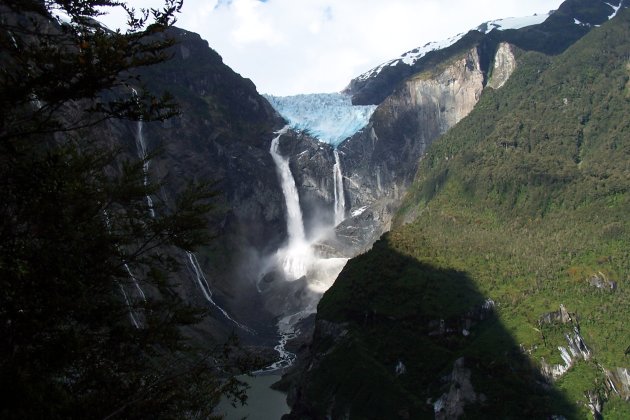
x,y
134,321
135,283
134,318
192,261
295,225
298,254
340,199
205,288
142,154
298,259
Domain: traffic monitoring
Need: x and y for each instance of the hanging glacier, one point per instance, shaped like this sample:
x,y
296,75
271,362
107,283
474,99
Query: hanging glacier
x,y
329,117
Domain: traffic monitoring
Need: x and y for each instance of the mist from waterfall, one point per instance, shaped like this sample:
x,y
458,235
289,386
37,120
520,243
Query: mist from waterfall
x,y
297,260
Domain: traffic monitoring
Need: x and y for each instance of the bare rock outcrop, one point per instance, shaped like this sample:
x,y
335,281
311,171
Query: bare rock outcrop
x,y
381,160
504,66
451,404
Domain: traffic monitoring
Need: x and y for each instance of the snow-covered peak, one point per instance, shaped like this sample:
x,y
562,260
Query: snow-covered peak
x,y
410,57
330,117
512,23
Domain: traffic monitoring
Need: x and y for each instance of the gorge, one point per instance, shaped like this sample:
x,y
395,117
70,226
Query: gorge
x,y
331,190
447,237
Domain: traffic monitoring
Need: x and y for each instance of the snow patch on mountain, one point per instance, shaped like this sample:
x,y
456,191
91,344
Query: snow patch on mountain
x,y
330,117
410,57
577,22
512,23
615,10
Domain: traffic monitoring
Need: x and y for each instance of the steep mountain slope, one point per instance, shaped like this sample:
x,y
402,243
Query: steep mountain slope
x,y
222,136
420,96
91,321
503,290
424,93
380,161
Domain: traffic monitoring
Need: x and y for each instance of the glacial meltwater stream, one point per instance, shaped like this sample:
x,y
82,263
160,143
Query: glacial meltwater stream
x,y
297,260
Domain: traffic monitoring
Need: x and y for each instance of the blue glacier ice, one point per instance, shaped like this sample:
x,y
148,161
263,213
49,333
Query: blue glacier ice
x,y
330,117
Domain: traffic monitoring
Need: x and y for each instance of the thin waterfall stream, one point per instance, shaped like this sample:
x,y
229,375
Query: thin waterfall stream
x,y
340,199
135,318
191,259
142,154
203,284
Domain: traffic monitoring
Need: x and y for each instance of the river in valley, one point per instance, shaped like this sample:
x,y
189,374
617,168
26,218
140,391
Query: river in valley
x,y
263,403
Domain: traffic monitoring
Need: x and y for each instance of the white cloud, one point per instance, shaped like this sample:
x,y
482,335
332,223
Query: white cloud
x,y
252,26
298,46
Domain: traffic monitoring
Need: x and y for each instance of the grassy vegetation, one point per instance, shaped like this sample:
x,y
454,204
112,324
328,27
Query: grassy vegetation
x,y
523,202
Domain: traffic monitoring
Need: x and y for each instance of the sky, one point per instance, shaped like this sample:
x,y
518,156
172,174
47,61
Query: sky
x,y
289,47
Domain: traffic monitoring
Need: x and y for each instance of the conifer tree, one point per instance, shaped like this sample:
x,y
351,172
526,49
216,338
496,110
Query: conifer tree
x,y
82,335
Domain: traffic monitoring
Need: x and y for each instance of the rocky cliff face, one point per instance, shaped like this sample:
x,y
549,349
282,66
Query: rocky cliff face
x,y
441,101
222,136
380,83
311,163
380,161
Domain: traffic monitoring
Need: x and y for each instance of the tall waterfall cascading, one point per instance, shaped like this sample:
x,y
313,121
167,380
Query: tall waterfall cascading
x,y
297,259
298,253
142,154
295,224
340,199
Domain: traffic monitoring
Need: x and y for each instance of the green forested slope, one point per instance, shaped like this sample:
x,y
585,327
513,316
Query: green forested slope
x,y
530,193
525,202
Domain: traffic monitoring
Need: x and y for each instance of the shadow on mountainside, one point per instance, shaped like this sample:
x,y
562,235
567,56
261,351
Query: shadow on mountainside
x,y
397,338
